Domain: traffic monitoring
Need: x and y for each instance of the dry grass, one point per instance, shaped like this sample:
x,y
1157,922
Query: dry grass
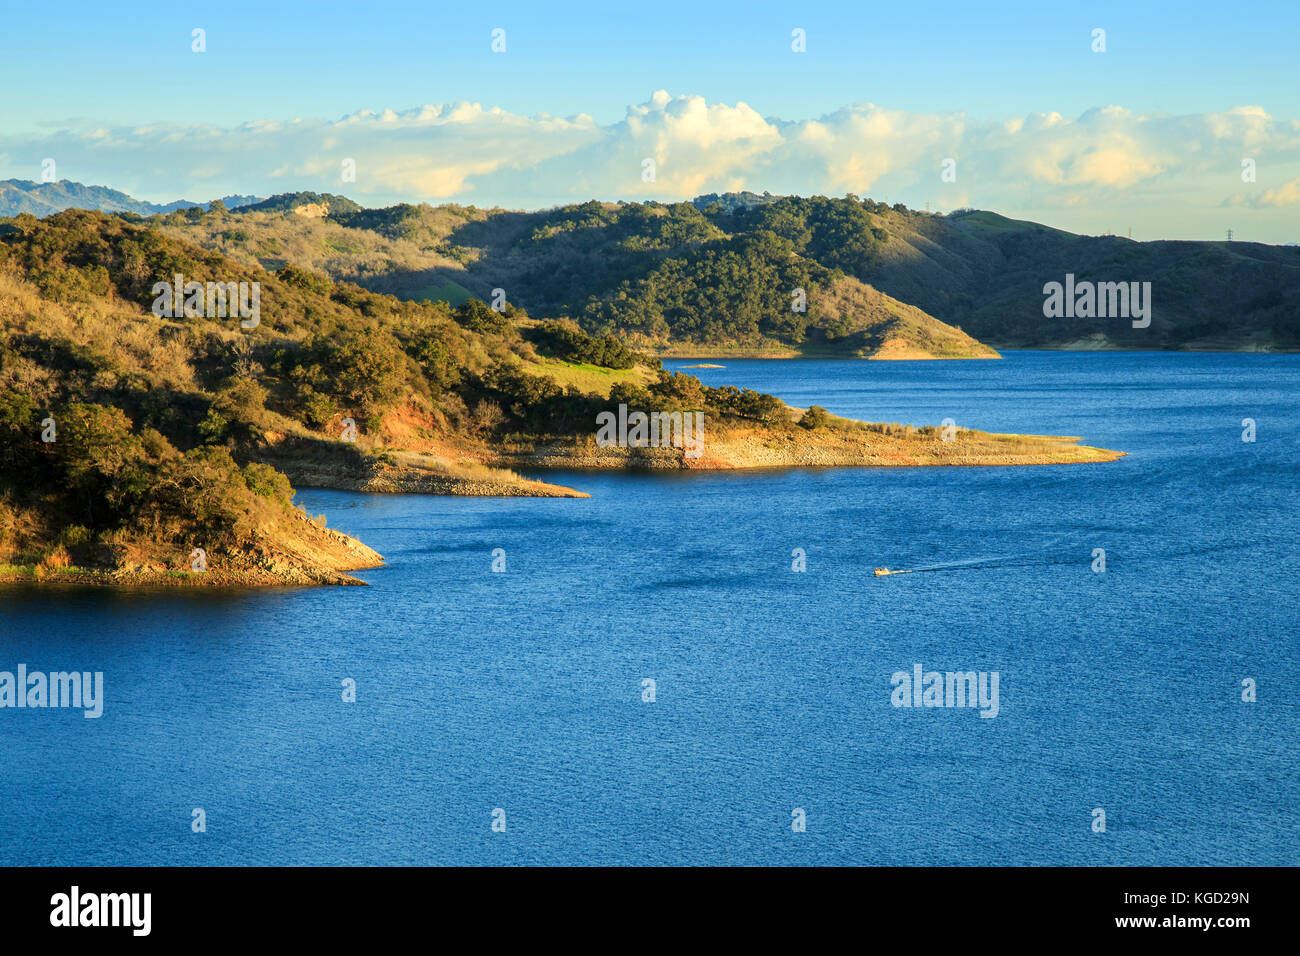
x,y
268,240
117,335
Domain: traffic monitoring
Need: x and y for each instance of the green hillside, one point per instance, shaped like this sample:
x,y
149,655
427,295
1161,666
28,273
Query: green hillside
x,y
132,433
720,273
665,276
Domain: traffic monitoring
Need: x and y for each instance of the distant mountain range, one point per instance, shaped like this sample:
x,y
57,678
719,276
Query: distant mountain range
x,y
19,196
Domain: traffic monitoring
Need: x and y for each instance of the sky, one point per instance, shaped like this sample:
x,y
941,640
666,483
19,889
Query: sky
x,y
1186,125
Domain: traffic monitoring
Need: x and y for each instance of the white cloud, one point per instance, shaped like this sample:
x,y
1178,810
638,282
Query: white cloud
x,y
1107,158
1288,194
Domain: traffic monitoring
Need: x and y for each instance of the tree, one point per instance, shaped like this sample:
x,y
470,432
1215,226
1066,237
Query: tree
x,y
815,417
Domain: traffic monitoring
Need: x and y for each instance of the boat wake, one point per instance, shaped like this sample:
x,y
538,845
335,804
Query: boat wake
x,y
1016,560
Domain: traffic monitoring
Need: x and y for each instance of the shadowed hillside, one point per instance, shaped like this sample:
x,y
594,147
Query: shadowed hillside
x,y
986,273
670,278
719,275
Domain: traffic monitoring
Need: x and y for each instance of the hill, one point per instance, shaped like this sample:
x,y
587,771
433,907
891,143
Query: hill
x,y
669,278
142,426
719,275
986,274
306,204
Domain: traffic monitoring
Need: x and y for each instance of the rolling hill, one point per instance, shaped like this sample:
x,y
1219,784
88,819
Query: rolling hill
x,y
717,276
667,277
723,274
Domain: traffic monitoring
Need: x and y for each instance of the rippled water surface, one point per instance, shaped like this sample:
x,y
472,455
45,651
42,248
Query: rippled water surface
x,y
523,690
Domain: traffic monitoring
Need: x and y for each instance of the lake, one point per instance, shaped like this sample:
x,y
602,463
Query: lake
x,y
524,691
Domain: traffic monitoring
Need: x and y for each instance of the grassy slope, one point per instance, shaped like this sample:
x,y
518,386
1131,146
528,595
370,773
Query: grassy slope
x,y
41,540
452,253
874,325
99,357
986,272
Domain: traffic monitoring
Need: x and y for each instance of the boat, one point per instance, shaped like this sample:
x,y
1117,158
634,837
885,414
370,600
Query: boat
x,y
883,571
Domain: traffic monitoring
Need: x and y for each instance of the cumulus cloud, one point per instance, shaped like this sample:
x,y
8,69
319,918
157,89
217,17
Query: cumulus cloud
x,y
1288,194
1108,157
666,148
426,153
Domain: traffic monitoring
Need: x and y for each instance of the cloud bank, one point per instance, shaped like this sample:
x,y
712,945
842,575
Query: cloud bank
x,y
1166,175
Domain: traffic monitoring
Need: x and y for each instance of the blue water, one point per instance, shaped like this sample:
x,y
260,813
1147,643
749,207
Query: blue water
x,y
523,690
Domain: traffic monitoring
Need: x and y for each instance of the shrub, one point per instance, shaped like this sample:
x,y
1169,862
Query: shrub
x,y
566,341
214,428
477,317
815,417
265,482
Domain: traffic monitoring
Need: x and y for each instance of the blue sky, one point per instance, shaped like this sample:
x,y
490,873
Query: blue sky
x,y
79,81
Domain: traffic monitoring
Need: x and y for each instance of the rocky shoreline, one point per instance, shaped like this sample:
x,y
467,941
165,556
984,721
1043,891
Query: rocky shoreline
x,y
300,551
326,466
758,448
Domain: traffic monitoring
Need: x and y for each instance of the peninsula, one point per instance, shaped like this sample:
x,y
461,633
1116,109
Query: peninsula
x,y
148,446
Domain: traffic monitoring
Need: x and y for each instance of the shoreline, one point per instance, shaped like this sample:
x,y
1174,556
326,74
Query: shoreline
x,y
304,552
294,550
772,451
708,355
168,580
